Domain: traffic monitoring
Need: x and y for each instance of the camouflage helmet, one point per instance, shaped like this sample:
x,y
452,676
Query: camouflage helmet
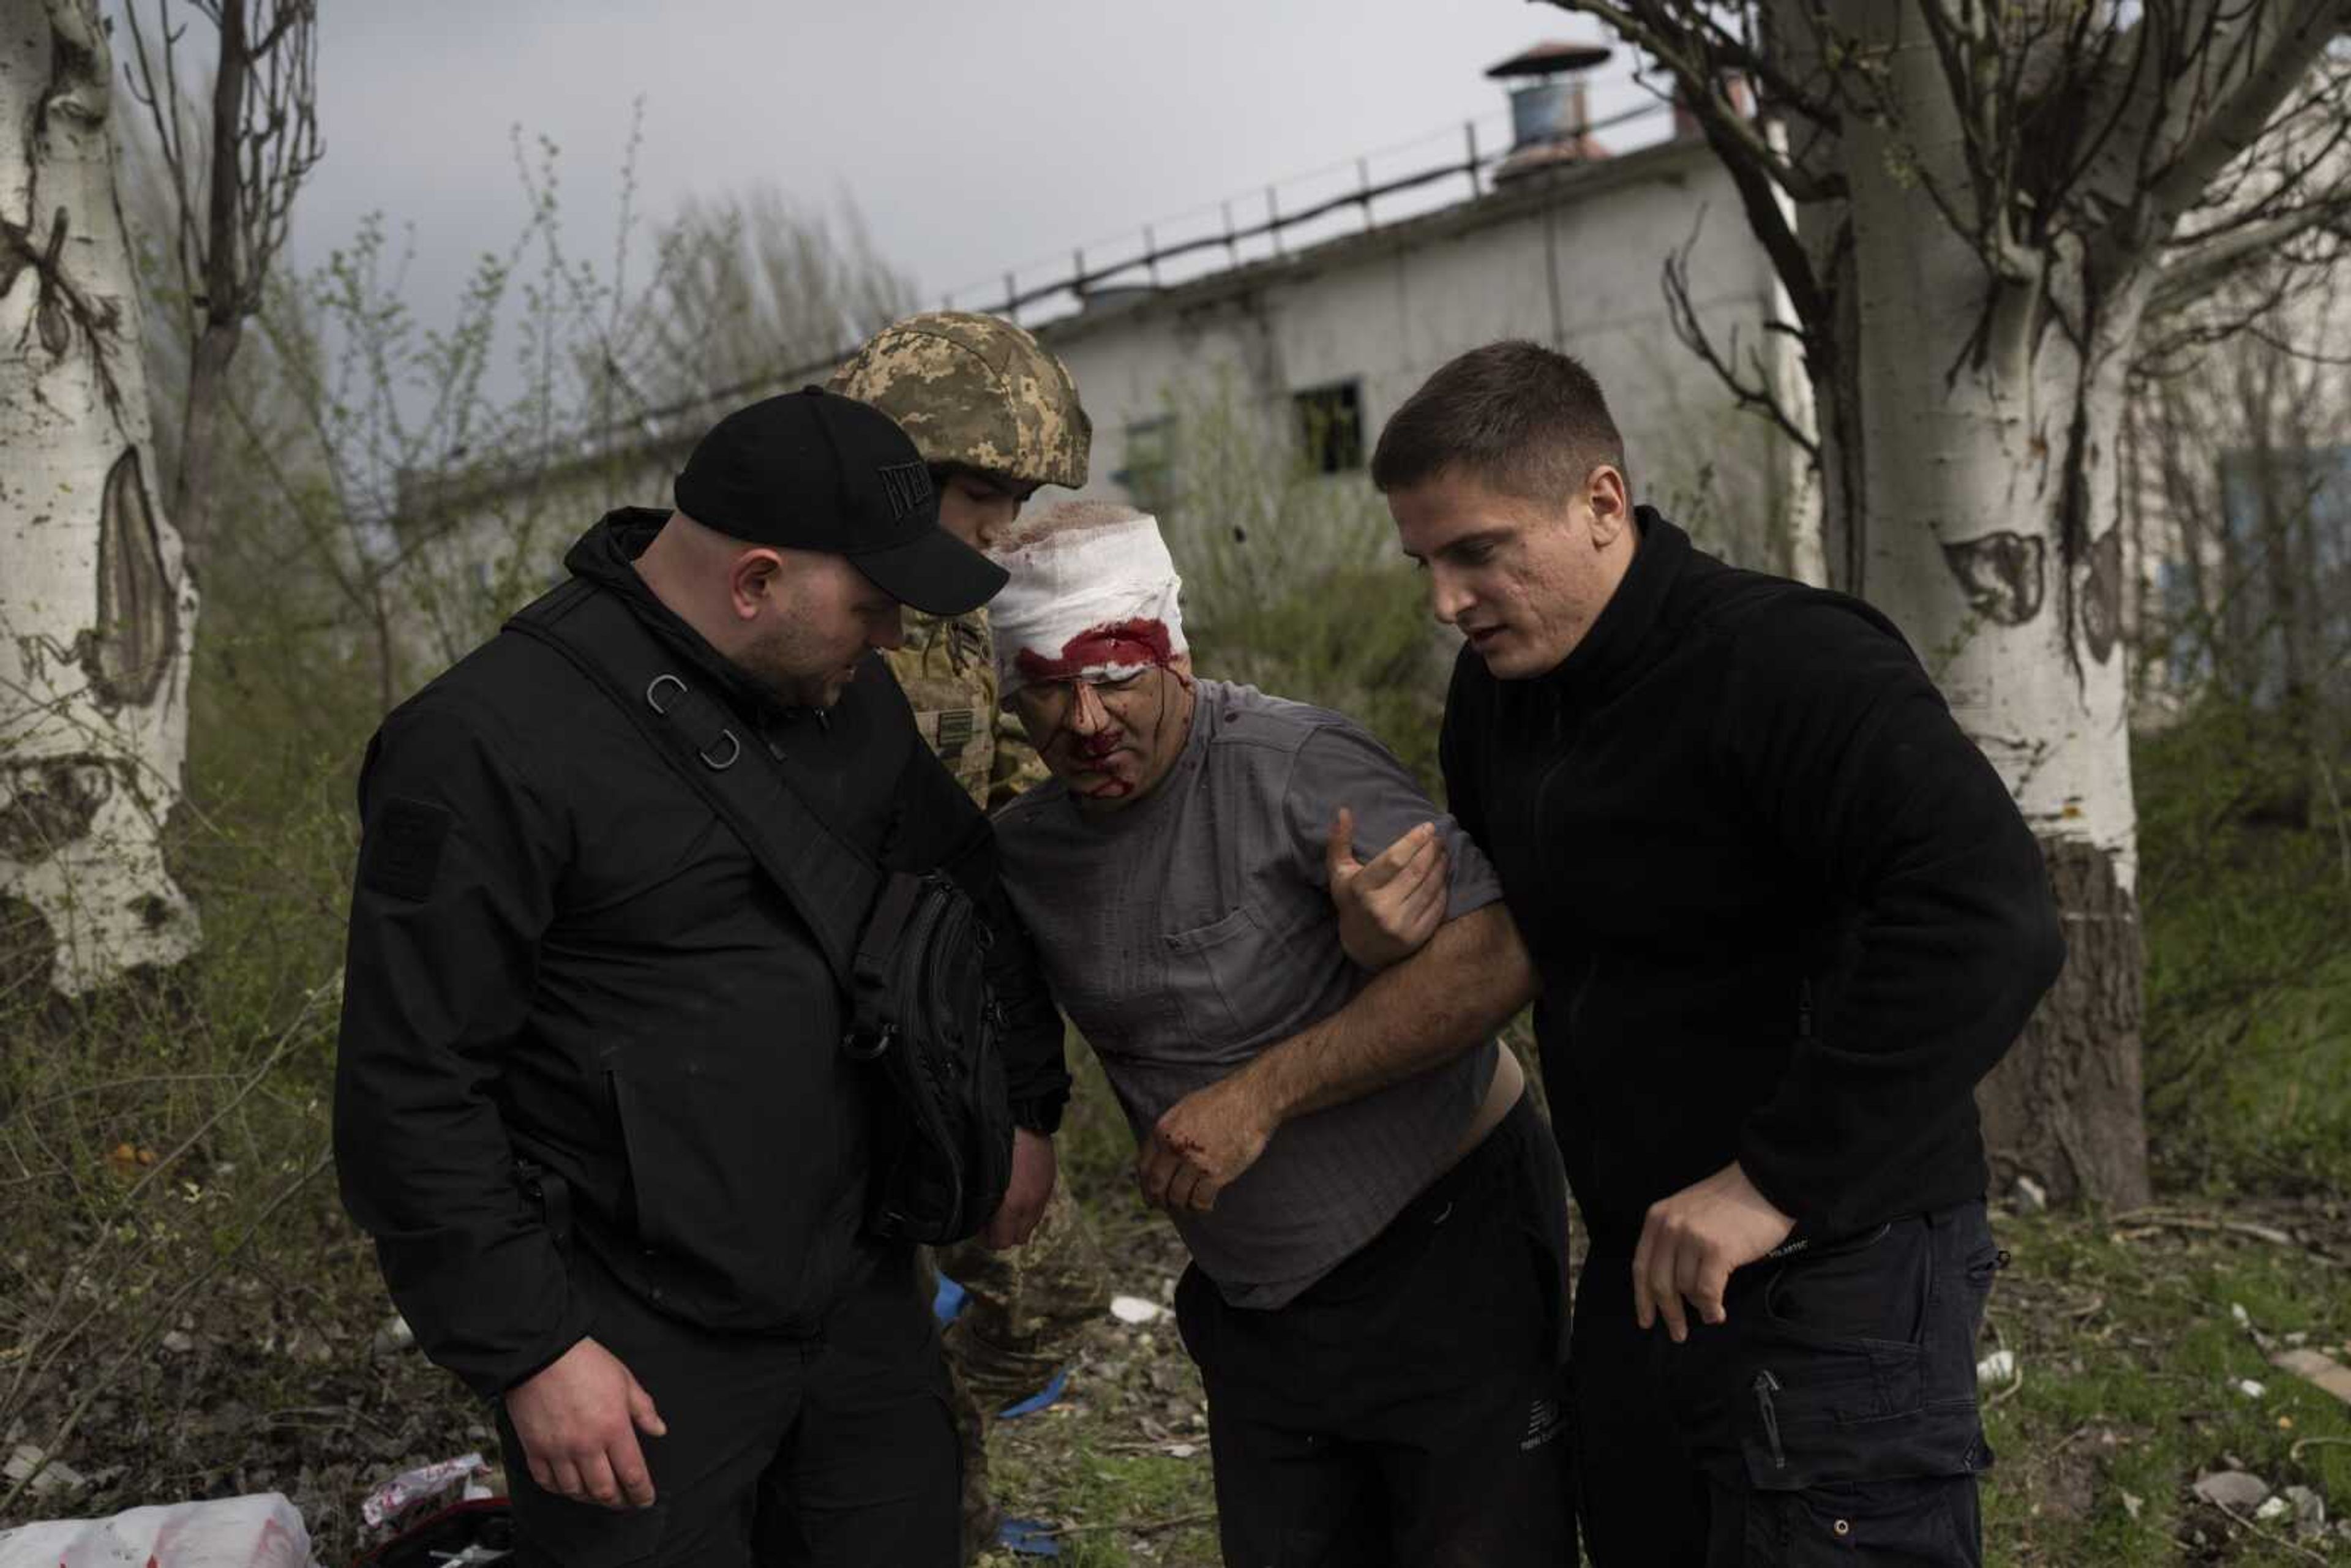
x,y
978,391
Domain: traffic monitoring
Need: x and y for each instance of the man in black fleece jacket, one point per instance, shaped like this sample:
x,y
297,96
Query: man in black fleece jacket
x,y
1786,916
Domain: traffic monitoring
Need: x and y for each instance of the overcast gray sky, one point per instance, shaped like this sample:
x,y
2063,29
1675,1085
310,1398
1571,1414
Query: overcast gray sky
x,y
972,136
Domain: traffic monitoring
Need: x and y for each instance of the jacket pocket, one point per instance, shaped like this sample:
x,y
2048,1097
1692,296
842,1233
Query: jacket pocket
x,y
645,1208
722,1174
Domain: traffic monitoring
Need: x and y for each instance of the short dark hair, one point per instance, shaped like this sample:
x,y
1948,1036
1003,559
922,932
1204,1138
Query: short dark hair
x,y
1525,420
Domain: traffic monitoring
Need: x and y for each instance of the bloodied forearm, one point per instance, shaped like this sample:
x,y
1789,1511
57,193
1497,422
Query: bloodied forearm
x,y
1452,995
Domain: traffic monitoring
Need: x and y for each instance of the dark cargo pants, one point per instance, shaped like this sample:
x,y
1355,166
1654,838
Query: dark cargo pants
x,y
1404,1411
836,1451
1831,1420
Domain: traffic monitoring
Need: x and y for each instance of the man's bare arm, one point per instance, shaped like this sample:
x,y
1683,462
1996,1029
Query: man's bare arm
x,y
1452,995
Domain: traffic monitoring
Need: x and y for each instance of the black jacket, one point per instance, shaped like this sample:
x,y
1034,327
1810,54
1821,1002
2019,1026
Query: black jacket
x,y
558,953
1783,910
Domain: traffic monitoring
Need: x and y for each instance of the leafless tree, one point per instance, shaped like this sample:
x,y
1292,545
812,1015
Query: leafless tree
x,y
233,174
1984,213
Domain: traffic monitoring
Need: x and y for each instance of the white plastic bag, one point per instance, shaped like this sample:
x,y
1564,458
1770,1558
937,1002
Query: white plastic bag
x,y
259,1531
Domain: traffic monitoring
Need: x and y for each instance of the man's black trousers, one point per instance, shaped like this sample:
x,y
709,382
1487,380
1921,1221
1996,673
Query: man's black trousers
x,y
836,1451
1406,1410
1831,1420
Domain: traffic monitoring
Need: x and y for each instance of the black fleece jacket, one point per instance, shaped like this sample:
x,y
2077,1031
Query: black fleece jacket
x,y
1783,910
560,953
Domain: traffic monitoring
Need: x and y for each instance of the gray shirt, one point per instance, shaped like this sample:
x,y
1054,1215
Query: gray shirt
x,y
1193,928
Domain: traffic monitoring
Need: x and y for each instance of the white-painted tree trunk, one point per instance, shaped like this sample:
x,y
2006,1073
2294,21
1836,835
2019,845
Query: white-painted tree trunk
x,y
1965,467
97,614
1989,489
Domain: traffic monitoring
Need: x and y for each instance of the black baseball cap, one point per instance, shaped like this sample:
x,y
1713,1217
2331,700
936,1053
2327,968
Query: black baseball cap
x,y
816,471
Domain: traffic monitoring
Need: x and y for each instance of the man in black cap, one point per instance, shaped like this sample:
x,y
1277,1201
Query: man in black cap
x,y
590,1101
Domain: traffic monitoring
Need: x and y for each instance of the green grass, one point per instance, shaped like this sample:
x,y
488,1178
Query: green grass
x,y
2131,1357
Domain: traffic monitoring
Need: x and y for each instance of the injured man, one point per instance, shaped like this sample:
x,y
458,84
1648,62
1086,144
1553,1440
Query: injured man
x,y
1302,1040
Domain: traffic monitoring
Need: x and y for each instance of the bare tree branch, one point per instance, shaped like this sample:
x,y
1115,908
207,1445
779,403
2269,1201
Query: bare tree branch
x,y
2191,273
1703,60
261,140
2232,125
1756,393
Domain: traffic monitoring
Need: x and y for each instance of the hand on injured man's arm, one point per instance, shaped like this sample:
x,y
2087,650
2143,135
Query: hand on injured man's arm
x,y
1391,908
1449,996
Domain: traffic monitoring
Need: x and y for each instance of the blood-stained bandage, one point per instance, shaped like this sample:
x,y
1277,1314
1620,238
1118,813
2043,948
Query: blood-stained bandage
x,y
1093,597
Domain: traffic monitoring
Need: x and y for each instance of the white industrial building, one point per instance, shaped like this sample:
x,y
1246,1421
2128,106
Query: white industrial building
x,y
1563,243
1311,319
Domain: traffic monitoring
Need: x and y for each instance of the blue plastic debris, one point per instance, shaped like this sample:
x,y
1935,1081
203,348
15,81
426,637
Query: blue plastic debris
x,y
947,1301
1039,1400
1028,1538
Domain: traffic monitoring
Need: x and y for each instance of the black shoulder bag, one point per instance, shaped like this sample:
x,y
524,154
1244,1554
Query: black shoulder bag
x,y
907,949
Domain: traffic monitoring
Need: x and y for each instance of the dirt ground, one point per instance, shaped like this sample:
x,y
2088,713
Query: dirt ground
x,y
2134,1350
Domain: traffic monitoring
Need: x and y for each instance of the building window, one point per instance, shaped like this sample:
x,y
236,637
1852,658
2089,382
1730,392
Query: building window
x,y
1331,427
1148,476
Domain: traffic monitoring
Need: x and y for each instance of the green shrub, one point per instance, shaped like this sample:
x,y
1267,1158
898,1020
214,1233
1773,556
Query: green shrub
x,y
2245,890
1292,579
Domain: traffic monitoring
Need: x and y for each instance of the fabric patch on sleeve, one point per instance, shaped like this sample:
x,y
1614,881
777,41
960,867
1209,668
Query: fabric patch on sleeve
x,y
403,850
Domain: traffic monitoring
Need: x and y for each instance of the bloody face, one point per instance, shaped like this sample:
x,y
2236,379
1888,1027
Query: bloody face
x,y
1110,714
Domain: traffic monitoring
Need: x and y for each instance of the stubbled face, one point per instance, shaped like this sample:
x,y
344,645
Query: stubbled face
x,y
1522,580
1111,742
977,507
813,618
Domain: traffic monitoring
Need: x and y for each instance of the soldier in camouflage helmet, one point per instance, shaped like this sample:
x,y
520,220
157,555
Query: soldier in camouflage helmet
x,y
995,416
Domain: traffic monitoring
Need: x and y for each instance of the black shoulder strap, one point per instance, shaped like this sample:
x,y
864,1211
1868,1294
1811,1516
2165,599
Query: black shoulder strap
x,y
829,882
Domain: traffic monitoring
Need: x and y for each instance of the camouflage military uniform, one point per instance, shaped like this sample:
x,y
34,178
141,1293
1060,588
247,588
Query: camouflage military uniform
x,y
948,673
979,394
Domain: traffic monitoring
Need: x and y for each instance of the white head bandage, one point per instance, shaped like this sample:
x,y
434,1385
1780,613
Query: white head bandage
x,y
1093,597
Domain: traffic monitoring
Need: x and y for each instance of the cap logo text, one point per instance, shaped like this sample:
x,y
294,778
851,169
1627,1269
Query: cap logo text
x,y
907,484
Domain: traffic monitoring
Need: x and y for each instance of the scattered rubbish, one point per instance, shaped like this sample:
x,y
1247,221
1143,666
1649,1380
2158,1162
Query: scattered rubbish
x,y
263,1531
1039,1400
2235,1491
2031,1197
2133,1503
1028,1538
2000,1366
178,1344
2250,1388
1135,1309
1182,1450
394,1336
462,1535
2272,1508
947,1301
405,1490
24,1459
2316,1366
2237,1310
